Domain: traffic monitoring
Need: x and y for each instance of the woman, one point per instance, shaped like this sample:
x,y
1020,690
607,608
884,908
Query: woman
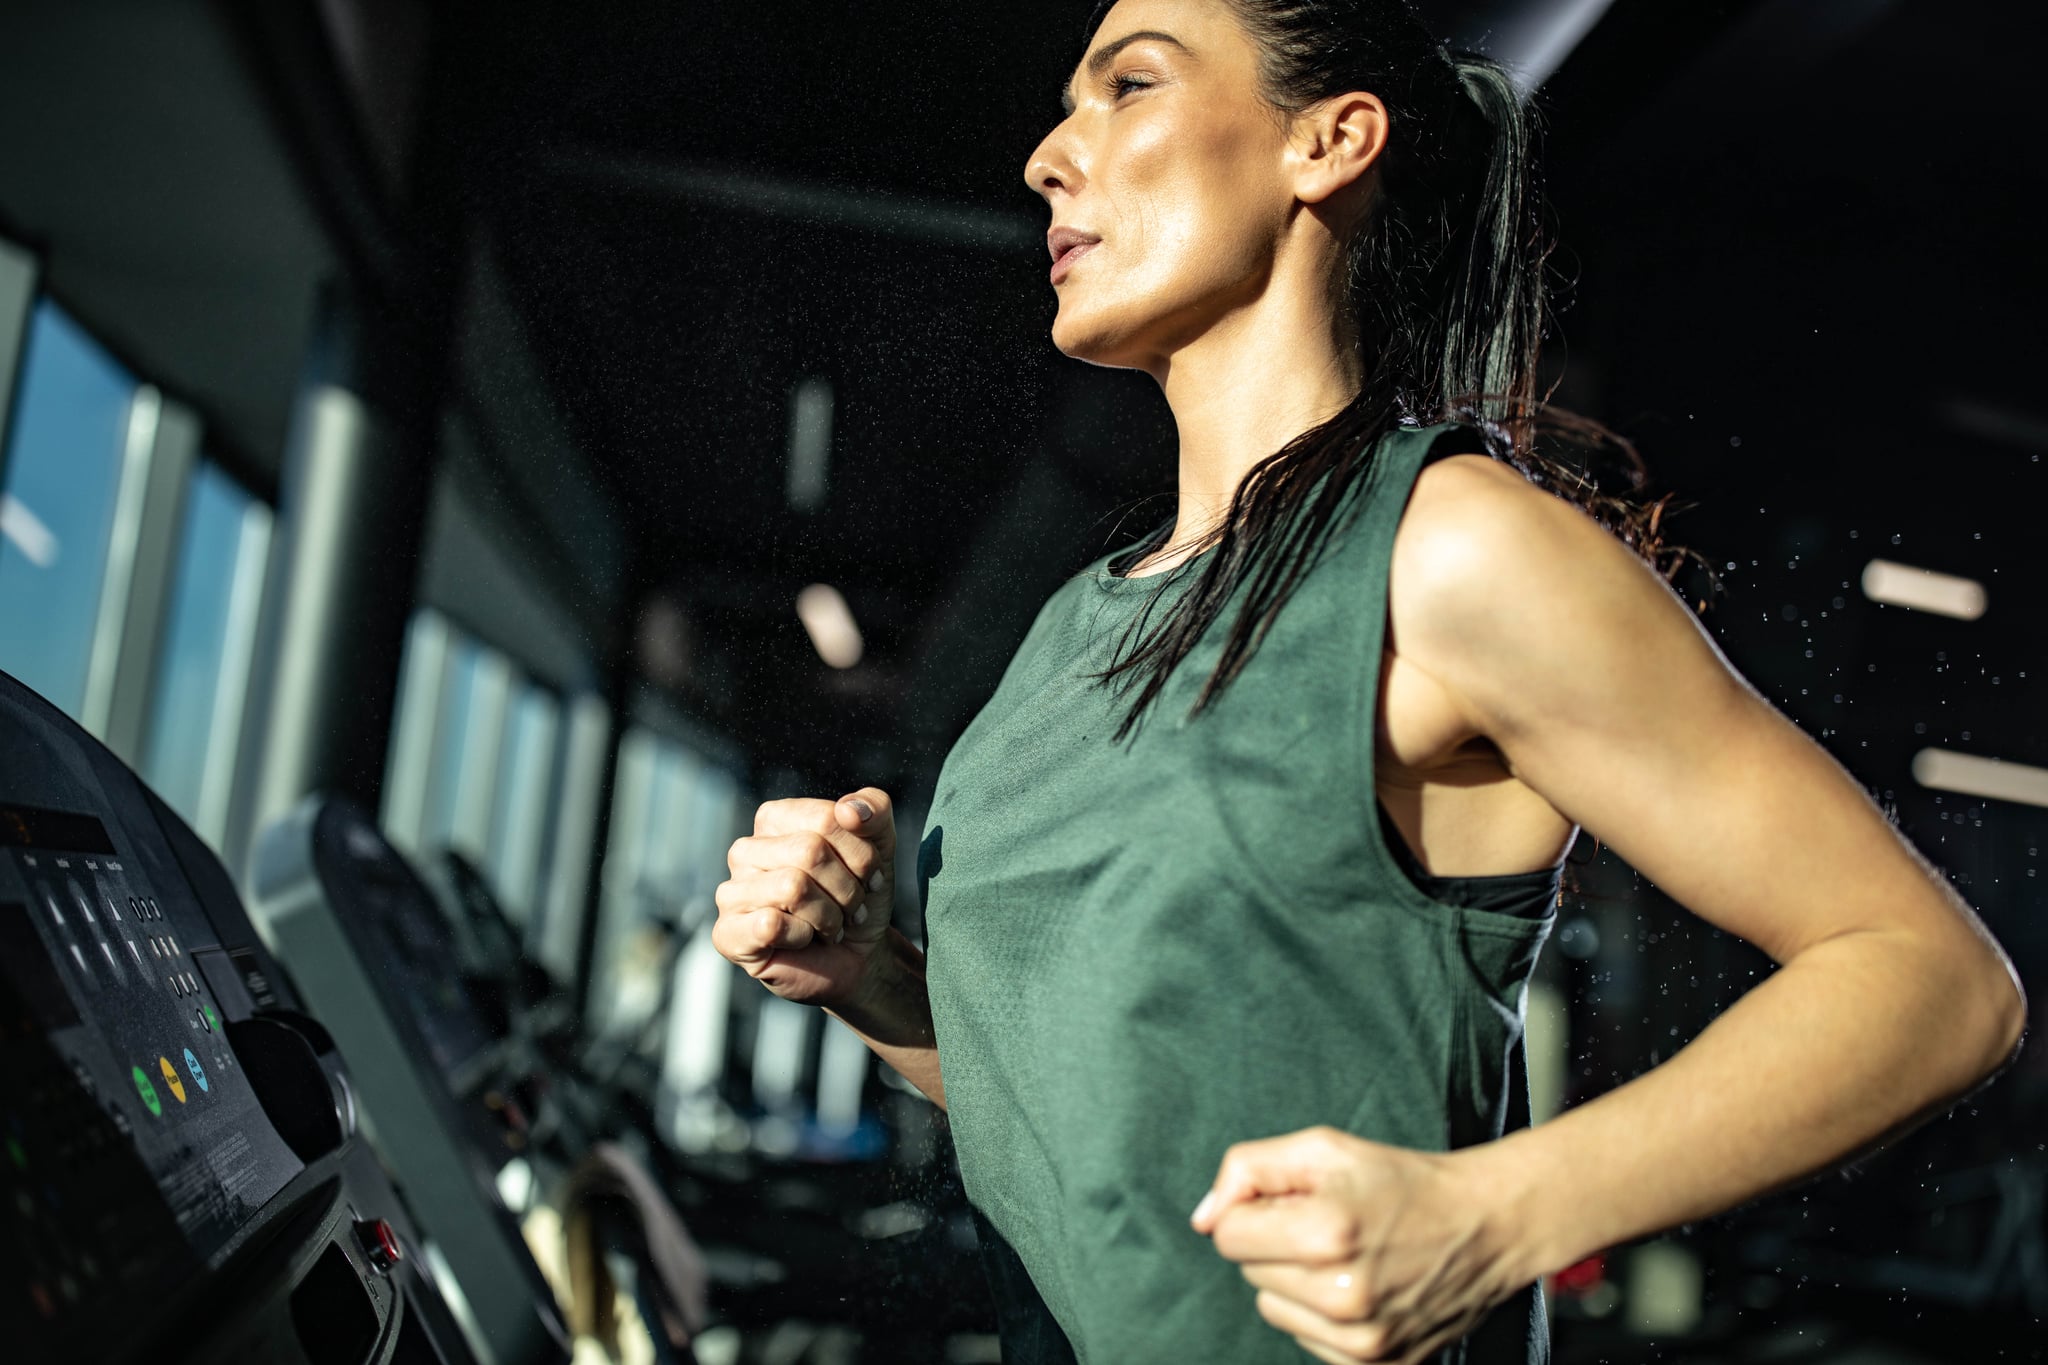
x,y
1234,886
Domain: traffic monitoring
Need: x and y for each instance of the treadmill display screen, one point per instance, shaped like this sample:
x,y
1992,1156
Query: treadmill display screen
x,y
28,827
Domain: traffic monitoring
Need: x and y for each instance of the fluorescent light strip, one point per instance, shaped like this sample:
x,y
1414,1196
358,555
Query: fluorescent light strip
x,y
830,623
810,444
1902,585
1975,776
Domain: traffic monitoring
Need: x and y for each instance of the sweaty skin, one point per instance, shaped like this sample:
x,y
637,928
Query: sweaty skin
x,y
1537,678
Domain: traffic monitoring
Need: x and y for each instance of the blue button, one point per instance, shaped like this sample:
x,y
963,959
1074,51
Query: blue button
x,y
198,1071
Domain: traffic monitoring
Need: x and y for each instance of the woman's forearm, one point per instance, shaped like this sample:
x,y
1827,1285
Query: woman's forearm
x,y
894,1016
1847,1046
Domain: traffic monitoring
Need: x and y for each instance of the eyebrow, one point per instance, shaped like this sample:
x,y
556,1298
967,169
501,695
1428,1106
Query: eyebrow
x,y
1099,61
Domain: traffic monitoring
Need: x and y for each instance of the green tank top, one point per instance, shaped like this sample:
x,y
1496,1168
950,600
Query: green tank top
x,y
1141,953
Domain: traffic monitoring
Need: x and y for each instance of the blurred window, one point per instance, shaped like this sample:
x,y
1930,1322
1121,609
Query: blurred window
x,y
674,814
523,821
415,717
202,673
475,762
63,470
455,738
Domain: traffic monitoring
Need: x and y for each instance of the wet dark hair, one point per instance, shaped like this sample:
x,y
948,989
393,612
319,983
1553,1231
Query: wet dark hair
x,y
1450,301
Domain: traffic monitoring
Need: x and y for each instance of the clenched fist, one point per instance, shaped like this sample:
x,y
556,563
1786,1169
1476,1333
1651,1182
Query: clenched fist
x,y
808,900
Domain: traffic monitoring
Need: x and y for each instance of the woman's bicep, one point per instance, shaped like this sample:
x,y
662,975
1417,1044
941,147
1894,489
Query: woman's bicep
x,y
1724,804
1608,699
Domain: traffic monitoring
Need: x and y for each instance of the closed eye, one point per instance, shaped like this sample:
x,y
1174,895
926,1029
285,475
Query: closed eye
x,y
1120,86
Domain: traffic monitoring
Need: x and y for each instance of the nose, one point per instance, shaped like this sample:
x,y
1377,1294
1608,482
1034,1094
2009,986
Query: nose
x,y
1052,165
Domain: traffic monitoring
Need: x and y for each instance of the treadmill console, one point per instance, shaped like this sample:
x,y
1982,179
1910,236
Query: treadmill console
x,y
179,1173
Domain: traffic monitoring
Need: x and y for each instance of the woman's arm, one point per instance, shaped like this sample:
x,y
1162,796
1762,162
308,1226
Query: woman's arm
x,y
893,1015
1603,694
1606,697
807,912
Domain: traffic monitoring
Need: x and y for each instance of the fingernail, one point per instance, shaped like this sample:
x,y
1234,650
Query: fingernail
x,y
860,914
861,808
875,880
1203,1209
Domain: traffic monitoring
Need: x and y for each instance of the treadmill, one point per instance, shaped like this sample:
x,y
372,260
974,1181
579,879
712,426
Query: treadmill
x,y
446,1101
182,1177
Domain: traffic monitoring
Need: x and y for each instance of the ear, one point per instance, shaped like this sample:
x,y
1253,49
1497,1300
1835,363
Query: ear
x,y
1334,142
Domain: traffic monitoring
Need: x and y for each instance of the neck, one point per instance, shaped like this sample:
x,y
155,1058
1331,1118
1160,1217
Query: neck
x,y
1245,387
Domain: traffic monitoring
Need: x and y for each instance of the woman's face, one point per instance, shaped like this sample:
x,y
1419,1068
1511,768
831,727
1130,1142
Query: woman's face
x,y
1166,180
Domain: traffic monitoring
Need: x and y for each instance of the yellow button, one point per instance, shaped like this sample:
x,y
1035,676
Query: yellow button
x,y
171,1078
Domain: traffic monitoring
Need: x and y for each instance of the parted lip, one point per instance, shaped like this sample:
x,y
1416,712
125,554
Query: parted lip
x,y
1061,240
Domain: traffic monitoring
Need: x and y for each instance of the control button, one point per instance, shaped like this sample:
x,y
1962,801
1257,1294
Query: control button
x,y
147,1091
206,1014
380,1243
113,910
134,952
171,1078
198,1072
205,1023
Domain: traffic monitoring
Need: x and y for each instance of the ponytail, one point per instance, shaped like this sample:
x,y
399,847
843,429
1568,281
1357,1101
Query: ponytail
x,y
1493,318
1447,290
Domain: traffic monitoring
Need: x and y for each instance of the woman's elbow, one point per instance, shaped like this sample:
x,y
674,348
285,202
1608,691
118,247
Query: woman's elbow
x,y
1970,1009
2005,987
1999,1019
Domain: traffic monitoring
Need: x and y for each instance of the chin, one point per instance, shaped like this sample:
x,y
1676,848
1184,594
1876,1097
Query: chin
x,y
1094,339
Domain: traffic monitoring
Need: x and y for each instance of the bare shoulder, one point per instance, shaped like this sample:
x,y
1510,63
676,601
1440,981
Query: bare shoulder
x,y
1477,535
1498,586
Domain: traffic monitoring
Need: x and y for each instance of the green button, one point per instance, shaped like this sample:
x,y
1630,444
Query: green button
x,y
212,1019
147,1091
20,1157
